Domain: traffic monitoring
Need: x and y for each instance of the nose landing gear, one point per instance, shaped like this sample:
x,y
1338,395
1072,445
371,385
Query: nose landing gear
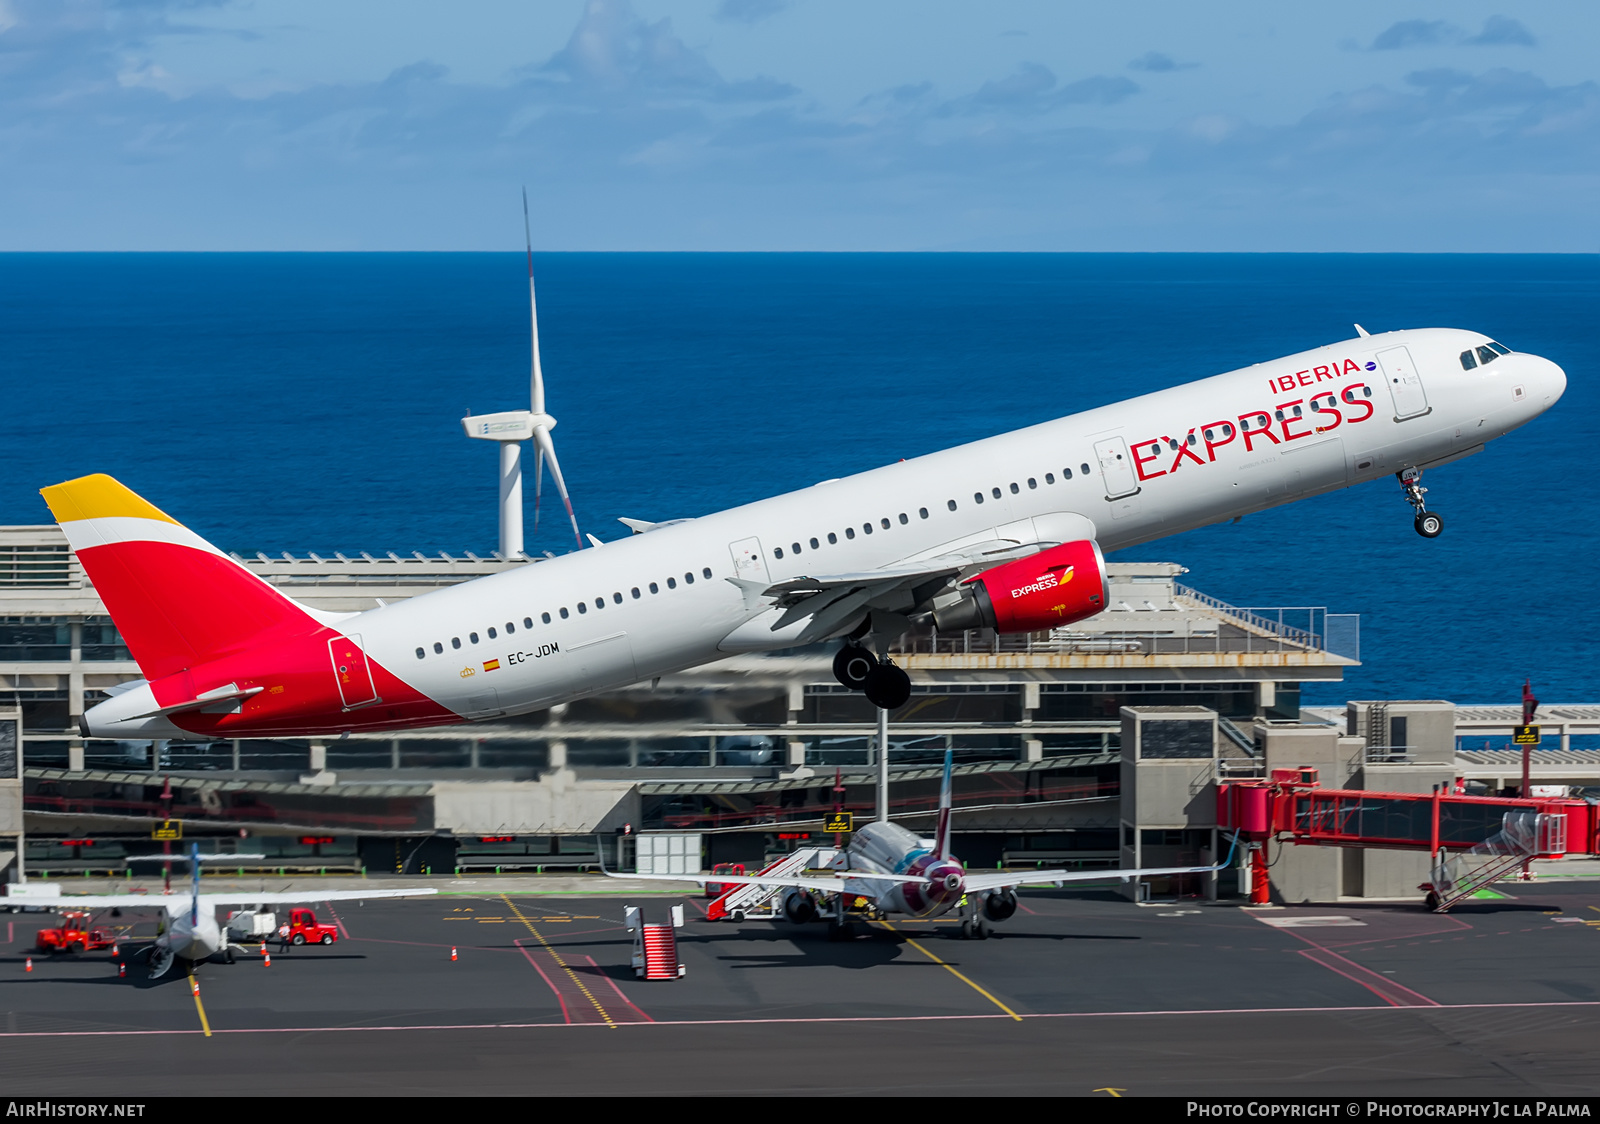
x,y
1428,523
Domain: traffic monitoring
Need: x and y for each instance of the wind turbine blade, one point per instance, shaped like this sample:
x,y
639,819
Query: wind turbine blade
x,y
537,377
538,486
547,447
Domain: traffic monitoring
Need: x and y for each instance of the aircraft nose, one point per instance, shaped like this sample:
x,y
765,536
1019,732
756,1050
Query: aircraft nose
x,y
1554,381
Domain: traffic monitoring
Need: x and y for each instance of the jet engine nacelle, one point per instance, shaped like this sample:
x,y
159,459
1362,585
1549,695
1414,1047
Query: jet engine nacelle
x,y
1000,905
1057,586
799,907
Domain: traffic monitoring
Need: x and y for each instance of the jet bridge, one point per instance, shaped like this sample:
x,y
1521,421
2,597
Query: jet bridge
x,y
1473,840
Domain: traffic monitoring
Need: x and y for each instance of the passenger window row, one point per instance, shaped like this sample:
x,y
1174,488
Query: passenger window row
x,y
886,523
598,604
1475,356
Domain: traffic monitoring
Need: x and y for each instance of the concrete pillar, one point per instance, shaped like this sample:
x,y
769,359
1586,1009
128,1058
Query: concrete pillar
x,y
75,755
797,753
75,678
711,752
477,743
558,755
796,702
1030,703
319,757
1032,749
1266,696
235,755
394,752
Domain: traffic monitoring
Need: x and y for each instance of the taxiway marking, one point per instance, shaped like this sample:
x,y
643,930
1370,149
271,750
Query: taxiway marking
x,y
951,969
832,1019
194,989
562,964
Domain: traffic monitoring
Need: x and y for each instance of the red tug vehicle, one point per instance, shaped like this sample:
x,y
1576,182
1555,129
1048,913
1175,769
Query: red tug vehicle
x,y
75,935
304,928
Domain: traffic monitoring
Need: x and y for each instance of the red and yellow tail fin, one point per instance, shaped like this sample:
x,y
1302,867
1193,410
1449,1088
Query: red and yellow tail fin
x,y
177,600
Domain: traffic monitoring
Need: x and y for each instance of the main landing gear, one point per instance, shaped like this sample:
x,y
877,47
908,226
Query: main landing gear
x,y
1428,523
884,682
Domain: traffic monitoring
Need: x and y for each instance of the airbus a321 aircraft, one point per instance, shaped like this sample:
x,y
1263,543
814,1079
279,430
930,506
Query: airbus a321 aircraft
x,y
190,932
1005,533
903,875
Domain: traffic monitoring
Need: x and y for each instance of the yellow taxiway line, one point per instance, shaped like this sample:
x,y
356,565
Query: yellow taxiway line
x,y
194,989
573,976
949,968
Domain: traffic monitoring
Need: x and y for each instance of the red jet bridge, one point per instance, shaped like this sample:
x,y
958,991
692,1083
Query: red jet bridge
x,y
1474,840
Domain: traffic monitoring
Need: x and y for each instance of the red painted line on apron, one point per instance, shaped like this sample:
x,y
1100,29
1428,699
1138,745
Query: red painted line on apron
x,y
617,989
565,1014
819,1021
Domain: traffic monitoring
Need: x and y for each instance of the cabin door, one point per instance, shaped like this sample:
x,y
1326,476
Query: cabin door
x,y
1405,384
352,672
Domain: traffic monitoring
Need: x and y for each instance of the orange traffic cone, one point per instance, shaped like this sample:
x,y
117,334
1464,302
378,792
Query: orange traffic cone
x,y
452,955
122,970
194,985
29,966
263,948
266,958
114,953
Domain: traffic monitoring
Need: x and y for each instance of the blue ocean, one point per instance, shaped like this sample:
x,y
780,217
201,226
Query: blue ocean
x,y
311,402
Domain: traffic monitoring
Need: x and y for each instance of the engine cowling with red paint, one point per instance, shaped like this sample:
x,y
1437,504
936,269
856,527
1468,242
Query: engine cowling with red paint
x,y
1057,586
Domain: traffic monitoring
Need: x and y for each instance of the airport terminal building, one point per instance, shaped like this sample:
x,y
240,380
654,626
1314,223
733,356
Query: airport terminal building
x,y
740,760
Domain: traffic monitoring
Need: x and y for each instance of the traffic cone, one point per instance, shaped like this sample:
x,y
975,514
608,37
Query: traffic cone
x,y
194,985
266,956
29,966
114,952
452,956
263,948
122,970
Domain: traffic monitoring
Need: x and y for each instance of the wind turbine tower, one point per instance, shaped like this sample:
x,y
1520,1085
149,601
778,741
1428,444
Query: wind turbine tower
x,y
512,427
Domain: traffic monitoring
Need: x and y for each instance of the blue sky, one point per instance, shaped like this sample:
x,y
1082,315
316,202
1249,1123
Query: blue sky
x,y
799,125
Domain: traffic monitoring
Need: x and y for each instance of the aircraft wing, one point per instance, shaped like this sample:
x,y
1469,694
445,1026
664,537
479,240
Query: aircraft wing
x,y
179,903
307,897
846,882
831,600
172,903
978,883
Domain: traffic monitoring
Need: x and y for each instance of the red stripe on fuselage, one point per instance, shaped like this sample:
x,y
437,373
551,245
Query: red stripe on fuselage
x,y
300,695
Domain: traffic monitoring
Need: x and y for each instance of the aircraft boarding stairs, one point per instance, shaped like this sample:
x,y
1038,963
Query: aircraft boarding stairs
x,y
757,900
655,947
1522,836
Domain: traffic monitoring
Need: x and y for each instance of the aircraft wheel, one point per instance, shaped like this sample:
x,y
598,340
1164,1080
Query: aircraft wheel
x,y
853,665
980,930
1429,524
966,930
888,687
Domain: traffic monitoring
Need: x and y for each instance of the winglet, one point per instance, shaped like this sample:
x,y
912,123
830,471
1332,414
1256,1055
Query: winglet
x,y
1362,332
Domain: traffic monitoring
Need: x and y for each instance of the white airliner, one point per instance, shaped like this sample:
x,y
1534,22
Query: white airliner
x,y
1006,533
190,932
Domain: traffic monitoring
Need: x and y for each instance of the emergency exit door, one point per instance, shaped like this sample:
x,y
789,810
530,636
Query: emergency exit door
x,y
748,561
352,672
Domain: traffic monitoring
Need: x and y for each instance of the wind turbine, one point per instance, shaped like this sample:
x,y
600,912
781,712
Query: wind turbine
x,y
512,427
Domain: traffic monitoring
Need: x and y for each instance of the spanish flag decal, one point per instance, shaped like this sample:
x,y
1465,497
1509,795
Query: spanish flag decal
x,y
491,665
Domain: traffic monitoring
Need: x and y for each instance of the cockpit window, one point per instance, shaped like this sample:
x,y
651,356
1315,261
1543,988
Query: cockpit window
x,y
1467,361
1500,347
1487,355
